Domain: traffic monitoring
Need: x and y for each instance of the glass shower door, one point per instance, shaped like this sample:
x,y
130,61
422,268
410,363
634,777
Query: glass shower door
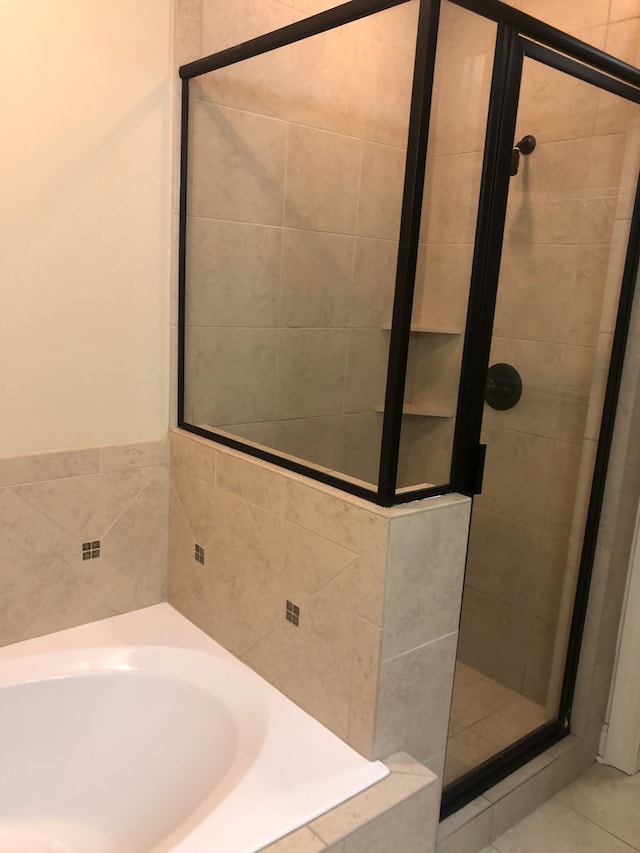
x,y
574,170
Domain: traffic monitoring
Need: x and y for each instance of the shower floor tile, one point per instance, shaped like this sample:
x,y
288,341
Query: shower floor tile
x,y
486,717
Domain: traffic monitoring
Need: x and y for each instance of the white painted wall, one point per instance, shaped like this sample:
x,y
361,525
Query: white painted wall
x,y
84,222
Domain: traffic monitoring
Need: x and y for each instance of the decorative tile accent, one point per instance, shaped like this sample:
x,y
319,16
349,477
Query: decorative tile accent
x,y
293,613
199,554
91,550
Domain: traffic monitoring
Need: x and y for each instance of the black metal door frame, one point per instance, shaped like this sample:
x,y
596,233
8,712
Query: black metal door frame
x,y
468,455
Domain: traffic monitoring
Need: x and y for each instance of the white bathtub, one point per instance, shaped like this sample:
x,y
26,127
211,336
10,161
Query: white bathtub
x,y
139,734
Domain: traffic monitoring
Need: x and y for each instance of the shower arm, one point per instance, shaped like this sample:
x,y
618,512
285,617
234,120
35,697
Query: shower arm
x,y
525,146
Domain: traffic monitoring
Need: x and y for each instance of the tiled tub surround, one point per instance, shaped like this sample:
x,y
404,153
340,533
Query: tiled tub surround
x,y
378,592
54,505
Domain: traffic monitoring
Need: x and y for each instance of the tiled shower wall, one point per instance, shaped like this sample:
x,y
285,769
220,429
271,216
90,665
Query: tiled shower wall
x,y
565,238
375,592
298,164
83,536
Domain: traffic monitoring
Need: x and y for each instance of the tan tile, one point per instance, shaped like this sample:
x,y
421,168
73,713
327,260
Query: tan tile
x,y
365,664
607,798
453,769
205,506
623,9
326,514
224,27
300,841
494,638
233,273
316,279
424,578
465,676
34,553
251,481
254,433
239,165
545,94
249,585
140,455
187,32
373,282
193,456
311,373
413,706
33,468
372,567
230,374
561,502
414,820
555,825
316,440
385,99
396,26
282,658
569,15
137,542
466,830
366,370
622,38
470,748
361,444
442,286
86,507
381,189
192,588
359,813
322,181
311,562
450,198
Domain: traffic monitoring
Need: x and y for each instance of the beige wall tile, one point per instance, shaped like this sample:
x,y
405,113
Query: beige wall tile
x,y
34,553
442,286
192,455
140,455
374,274
554,106
187,31
365,664
449,203
505,558
622,9
570,15
225,26
317,270
311,372
361,443
233,273
327,514
230,374
539,660
382,800
366,373
137,543
86,507
239,165
381,188
205,506
300,841
36,467
622,38
494,638
263,433
413,699
424,578
373,569
466,831
251,481
315,440
322,181
311,562
414,821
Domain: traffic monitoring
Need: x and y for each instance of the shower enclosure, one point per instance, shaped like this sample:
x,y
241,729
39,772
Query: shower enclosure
x,y
408,248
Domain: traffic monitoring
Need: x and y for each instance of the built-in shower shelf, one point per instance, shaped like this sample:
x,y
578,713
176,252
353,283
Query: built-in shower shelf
x,y
428,330
413,410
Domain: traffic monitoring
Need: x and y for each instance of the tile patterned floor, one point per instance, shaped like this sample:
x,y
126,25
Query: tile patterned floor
x,y
485,718
598,813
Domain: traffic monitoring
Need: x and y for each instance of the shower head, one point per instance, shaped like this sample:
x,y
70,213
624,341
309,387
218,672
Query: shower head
x,y
525,146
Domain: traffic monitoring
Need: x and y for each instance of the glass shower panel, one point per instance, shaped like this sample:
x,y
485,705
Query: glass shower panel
x,y
297,162
565,239
462,82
